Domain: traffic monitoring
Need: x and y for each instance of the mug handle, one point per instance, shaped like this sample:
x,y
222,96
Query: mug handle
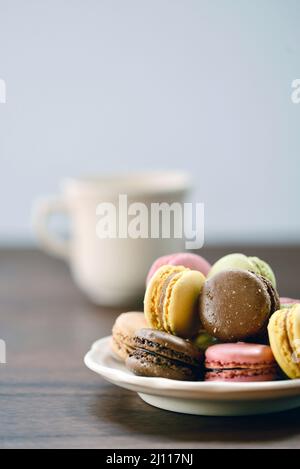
x,y
43,210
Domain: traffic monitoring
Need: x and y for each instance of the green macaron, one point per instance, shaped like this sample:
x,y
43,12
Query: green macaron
x,y
240,261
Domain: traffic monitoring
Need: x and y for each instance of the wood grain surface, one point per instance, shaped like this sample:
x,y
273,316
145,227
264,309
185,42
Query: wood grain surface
x,y
48,399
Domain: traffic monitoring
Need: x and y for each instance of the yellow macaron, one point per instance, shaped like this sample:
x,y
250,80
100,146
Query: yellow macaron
x,y
284,335
171,300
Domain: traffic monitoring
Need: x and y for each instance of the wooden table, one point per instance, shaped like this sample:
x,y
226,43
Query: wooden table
x,y
49,399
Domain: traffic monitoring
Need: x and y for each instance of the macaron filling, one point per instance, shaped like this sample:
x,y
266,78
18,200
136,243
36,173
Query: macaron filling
x,y
162,311
290,341
158,287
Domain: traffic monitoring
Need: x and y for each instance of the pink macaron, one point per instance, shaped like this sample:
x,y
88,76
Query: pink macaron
x,y
240,362
288,301
186,259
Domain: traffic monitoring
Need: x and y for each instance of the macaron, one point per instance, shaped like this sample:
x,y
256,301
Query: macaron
x,y
123,331
171,300
186,259
288,302
236,305
240,362
240,261
158,354
203,340
284,335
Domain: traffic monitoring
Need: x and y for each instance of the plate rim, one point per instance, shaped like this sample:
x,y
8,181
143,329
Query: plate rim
x,y
154,385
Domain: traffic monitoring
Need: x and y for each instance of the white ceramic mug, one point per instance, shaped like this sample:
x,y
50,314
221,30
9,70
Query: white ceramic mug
x,y
110,271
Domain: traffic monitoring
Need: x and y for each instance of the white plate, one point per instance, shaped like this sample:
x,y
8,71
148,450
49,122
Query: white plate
x,y
200,398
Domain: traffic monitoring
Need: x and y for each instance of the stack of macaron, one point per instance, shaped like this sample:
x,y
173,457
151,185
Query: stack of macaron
x,y
224,322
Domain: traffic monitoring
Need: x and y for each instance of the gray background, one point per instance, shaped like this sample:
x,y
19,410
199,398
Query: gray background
x,y
202,85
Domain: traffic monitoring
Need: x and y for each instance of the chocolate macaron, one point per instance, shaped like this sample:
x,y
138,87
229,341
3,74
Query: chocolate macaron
x,y
159,354
237,304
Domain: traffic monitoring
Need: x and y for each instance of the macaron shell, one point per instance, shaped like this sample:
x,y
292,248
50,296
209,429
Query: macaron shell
x,y
123,332
181,304
185,259
243,262
263,269
164,306
293,331
128,323
231,261
168,346
191,261
143,363
280,344
241,376
203,340
120,350
288,301
235,305
164,260
159,354
239,355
